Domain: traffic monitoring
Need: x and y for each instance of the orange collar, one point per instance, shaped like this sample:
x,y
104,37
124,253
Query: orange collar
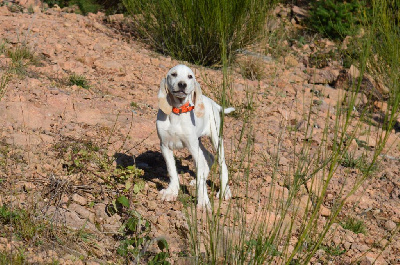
x,y
183,109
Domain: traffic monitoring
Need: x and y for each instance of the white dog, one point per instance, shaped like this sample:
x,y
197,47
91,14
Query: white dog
x,y
184,116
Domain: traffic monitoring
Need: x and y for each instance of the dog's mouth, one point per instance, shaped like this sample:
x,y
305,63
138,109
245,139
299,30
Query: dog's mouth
x,y
180,94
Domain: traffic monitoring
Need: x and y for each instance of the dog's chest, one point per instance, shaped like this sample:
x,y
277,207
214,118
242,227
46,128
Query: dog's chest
x,y
176,133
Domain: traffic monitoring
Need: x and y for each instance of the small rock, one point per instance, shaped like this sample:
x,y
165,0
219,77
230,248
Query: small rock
x,y
291,61
100,212
79,199
92,262
369,139
347,245
323,76
98,47
4,11
325,211
371,258
354,72
353,145
299,12
152,205
56,8
114,220
390,225
359,247
163,221
111,228
116,18
82,211
283,161
383,243
36,9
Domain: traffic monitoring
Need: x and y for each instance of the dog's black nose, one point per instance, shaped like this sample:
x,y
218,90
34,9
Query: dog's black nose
x,y
182,85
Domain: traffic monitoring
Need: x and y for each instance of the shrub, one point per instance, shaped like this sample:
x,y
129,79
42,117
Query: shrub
x,y
85,6
354,225
78,80
199,31
334,18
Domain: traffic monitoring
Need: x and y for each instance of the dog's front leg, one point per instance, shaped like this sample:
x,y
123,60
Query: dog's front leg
x,y
170,193
202,171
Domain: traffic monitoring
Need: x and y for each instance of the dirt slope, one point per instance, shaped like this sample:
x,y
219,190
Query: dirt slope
x,y
43,119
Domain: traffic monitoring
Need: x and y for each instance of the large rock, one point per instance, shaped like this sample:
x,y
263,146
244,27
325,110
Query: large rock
x,y
373,89
323,76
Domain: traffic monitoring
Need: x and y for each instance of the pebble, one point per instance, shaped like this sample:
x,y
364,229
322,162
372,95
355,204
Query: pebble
x,y
390,225
79,199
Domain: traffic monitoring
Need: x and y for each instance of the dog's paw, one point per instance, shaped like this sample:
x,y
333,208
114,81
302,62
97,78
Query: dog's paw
x,y
169,194
204,205
227,194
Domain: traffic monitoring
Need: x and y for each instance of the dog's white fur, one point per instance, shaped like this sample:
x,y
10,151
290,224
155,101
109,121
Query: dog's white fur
x,y
177,131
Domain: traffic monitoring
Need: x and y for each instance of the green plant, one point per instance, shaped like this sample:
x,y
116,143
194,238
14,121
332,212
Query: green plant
x,y
78,80
288,216
129,177
252,68
322,59
21,56
335,18
333,250
17,258
135,237
24,223
354,225
4,79
85,6
349,160
79,154
200,31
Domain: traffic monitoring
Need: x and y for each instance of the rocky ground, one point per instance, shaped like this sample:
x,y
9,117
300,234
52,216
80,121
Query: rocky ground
x,y
60,143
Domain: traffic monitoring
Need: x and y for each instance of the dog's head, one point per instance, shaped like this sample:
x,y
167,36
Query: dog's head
x,y
179,87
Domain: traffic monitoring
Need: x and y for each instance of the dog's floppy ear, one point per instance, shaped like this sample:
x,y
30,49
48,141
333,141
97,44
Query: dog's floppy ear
x,y
198,101
163,103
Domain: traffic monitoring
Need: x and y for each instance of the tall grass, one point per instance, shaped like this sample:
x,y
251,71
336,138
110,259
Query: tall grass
x,y
199,31
287,227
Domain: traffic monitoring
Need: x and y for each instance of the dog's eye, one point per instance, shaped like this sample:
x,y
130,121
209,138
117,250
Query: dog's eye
x,y
190,76
174,74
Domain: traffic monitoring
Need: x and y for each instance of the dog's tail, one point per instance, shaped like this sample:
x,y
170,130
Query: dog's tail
x,y
227,110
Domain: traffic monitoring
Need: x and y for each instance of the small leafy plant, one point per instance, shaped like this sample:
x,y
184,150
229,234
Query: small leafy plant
x,y
354,225
135,237
78,80
21,56
129,177
252,68
334,18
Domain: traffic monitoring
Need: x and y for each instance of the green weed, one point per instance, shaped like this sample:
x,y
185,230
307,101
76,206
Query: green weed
x,y
26,227
21,56
333,250
85,6
354,225
252,68
134,105
78,80
135,238
335,19
201,31
17,258
289,221
4,79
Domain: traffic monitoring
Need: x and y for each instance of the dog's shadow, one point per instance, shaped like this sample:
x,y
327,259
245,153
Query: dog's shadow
x,y
153,165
